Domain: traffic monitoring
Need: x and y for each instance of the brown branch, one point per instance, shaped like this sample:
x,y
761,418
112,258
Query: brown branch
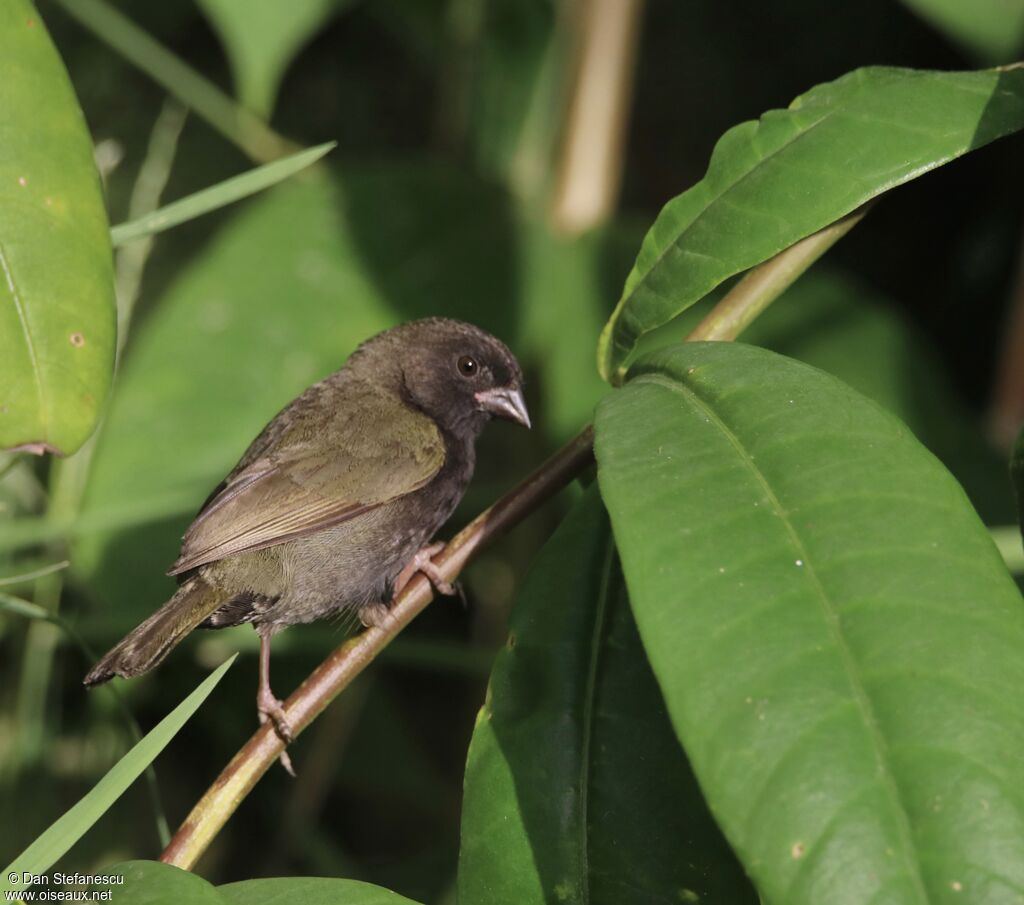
x,y
351,658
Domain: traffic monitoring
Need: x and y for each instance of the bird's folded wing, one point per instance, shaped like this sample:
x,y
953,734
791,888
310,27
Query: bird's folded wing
x,y
301,486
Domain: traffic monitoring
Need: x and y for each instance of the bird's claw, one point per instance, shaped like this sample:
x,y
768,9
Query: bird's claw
x,y
271,709
423,562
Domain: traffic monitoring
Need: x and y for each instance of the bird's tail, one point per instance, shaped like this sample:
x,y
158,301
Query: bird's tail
x,y
146,646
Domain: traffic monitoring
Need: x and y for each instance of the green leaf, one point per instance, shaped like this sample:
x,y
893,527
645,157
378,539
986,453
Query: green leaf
x,y
576,789
262,37
830,623
57,315
217,196
992,30
793,172
309,891
153,883
1017,475
70,827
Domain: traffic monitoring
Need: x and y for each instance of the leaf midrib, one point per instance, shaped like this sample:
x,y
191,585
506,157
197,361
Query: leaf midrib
x,y
861,697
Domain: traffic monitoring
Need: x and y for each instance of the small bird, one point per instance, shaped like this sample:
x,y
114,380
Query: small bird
x,y
334,504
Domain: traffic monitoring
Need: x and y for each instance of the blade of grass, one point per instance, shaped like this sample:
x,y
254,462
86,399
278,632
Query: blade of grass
x,y
70,827
35,573
238,125
224,193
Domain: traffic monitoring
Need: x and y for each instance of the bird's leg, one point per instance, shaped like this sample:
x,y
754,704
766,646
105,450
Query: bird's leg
x,y
268,706
423,562
377,613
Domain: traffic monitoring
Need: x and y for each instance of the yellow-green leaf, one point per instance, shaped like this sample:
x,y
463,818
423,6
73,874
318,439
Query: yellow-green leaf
x,y
57,315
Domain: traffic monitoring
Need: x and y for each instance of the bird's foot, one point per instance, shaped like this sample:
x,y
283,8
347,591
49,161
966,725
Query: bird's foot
x,y
423,562
374,614
270,708
377,614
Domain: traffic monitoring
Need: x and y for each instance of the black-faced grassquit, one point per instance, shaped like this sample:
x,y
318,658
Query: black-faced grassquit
x,y
334,504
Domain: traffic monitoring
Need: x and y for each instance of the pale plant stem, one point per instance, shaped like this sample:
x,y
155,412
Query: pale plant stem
x,y
766,282
593,148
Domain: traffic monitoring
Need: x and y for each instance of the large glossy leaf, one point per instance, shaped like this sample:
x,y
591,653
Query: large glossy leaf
x,y
576,788
153,883
993,30
262,37
833,630
770,183
72,825
57,317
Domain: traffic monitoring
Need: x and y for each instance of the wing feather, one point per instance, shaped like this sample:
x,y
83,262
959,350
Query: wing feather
x,y
296,487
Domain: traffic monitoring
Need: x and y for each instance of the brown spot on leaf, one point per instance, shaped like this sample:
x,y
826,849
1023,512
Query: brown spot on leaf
x,y
798,850
77,340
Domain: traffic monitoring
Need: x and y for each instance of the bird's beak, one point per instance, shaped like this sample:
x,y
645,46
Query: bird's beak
x,y
505,402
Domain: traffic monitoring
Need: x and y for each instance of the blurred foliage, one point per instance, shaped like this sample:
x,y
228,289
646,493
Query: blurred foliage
x,y
448,116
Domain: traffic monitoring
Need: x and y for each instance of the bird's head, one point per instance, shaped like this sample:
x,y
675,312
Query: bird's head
x,y
458,374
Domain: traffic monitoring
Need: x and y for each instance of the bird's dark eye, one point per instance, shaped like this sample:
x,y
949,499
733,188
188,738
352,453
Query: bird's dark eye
x,y
468,366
